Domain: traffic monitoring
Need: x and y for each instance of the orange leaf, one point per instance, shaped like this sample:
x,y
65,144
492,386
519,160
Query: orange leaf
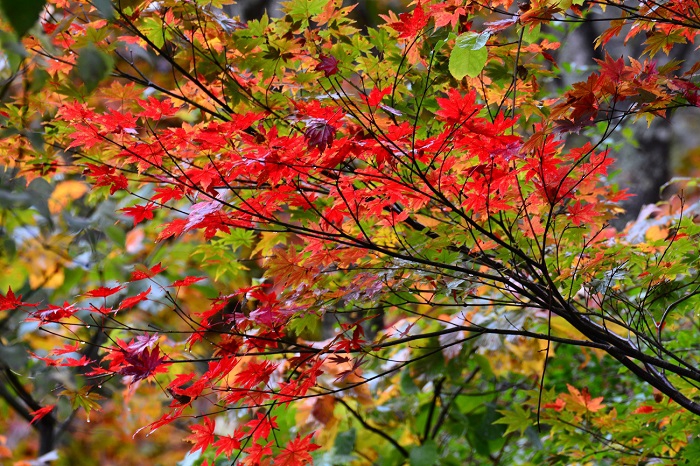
x,y
644,409
64,193
583,398
557,406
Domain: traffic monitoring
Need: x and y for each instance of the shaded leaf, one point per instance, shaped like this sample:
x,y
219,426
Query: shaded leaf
x,y
424,455
93,66
328,64
23,14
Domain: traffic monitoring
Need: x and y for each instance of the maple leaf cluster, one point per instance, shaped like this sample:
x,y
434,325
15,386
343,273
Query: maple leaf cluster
x,y
341,217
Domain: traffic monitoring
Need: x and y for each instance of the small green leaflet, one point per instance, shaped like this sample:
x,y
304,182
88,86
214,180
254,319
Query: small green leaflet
x,y
469,55
22,15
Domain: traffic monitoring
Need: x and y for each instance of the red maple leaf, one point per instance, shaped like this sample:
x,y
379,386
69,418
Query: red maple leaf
x,y
557,405
689,90
106,176
203,435
328,64
142,364
615,70
181,379
41,412
319,133
155,109
10,301
255,373
118,122
581,214
410,24
134,300
227,443
55,313
167,193
72,362
448,12
75,111
262,426
103,292
165,419
376,95
140,212
148,273
256,453
48,361
457,108
85,135
174,228
297,452
187,281
74,348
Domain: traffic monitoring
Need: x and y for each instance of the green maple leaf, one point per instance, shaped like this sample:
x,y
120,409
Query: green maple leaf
x,y
517,419
469,55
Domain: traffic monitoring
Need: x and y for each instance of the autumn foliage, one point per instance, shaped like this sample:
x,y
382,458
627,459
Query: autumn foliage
x,y
300,240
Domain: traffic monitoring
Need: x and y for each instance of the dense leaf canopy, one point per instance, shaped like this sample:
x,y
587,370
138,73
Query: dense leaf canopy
x,y
302,240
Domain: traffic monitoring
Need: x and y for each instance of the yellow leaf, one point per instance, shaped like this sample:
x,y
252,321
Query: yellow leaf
x,y
51,277
656,233
268,240
65,193
426,221
605,420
